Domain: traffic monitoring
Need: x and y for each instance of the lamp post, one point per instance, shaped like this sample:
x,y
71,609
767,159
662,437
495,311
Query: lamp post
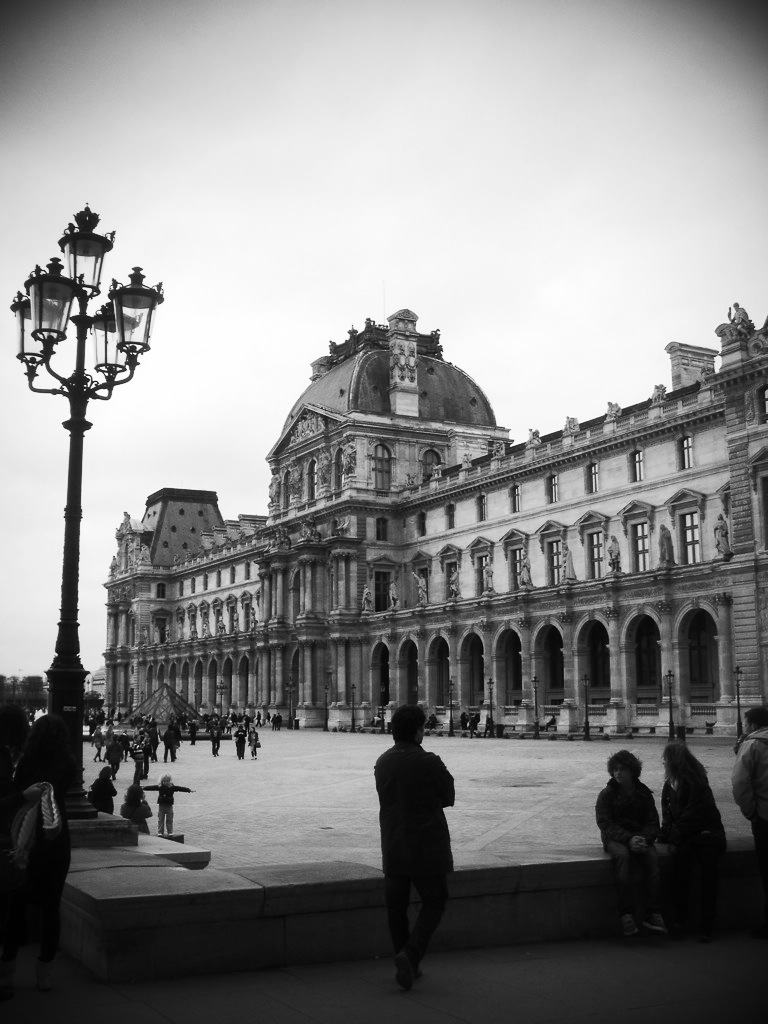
x,y
329,676
290,702
450,708
220,688
121,332
490,706
737,679
354,688
585,681
670,677
535,683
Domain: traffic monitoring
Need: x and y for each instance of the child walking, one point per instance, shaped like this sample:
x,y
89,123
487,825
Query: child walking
x,y
165,791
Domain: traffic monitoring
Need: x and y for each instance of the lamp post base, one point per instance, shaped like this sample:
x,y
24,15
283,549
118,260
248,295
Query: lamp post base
x,y
65,698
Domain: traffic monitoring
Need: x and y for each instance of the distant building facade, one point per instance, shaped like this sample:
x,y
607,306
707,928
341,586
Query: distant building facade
x,y
413,553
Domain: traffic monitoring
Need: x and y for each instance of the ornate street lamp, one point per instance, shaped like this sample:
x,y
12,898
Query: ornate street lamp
x,y
585,681
450,708
737,677
290,702
354,688
220,688
670,677
490,705
121,331
535,684
329,674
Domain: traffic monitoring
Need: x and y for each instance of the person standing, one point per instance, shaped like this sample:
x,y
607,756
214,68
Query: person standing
x,y
215,737
750,791
693,831
240,738
629,823
192,732
413,788
165,791
102,792
47,758
169,744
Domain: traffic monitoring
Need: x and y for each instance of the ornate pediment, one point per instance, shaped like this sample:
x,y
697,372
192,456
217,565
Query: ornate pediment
x,y
637,510
590,521
686,498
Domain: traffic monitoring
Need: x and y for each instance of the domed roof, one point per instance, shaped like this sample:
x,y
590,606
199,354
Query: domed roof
x,y
359,382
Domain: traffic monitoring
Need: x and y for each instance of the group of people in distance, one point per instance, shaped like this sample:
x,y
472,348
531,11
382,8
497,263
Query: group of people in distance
x,y
414,786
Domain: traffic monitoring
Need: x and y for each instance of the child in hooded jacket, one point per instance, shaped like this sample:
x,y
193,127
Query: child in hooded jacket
x,y
165,791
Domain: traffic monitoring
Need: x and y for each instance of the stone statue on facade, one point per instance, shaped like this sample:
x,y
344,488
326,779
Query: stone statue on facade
x,y
525,572
659,394
454,585
437,471
614,555
393,595
740,320
221,629
534,438
666,551
571,427
324,468
349,459
466,460
721,538
569,572
274,490
421,584
488,578
613,413
113,567
205,627
367,604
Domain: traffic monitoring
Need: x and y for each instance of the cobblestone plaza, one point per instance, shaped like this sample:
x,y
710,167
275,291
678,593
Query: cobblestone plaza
x,y
310,796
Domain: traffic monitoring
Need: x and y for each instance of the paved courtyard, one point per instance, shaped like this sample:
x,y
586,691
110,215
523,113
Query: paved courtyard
x,y
310,796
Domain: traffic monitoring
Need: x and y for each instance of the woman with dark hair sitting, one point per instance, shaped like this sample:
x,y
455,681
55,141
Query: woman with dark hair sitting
x,y
47,758
629,823
693,831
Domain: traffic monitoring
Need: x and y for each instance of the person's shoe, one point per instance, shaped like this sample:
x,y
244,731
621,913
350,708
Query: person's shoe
x,y
628,926
655,923
403,971
43,976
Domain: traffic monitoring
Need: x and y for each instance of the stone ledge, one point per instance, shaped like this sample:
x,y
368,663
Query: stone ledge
x,y
130,915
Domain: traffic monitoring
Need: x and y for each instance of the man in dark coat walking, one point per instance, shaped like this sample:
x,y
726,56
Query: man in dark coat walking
x,y
413,786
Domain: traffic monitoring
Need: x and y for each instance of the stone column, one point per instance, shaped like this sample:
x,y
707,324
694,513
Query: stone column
x,y
266,596
725,664
278,651
352,573
309,601
343,592
340,652
306,673
428,685
280,590
526,712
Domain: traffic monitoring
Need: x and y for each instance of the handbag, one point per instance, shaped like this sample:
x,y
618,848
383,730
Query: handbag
x,y
258,744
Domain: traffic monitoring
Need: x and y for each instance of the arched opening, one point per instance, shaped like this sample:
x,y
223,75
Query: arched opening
x,y
551,660
702,659
150,681
410,662
442,671
243,697
185,683
212,697
172,676
475,657
509,688
381,669
197,696
647,661
226,678
295,595
598,664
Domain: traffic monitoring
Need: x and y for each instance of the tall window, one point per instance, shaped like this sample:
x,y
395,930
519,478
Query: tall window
x,y
380,591
641,547
690,540
421,524
205,581
382,468
218,577
181,588
762,405
514,498
232,575
192,585
311,480
551,488
554,562
161,590
592,478
685,453
636,466
382,528
482,508
428,463
596,554
450,516
247,569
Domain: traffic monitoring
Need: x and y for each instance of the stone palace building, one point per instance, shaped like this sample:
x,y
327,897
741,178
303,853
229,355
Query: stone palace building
x,y
412,553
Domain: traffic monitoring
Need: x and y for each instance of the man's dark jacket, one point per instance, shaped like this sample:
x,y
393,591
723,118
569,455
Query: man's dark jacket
x,y
414,786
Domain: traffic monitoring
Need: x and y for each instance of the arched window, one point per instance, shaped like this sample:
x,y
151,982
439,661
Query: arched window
x,y
429,460
382,468
311,480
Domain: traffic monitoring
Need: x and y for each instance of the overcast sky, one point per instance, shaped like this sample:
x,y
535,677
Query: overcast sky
x,y
562,187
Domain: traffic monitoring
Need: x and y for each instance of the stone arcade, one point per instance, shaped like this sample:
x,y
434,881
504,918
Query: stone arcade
x,y
413,552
